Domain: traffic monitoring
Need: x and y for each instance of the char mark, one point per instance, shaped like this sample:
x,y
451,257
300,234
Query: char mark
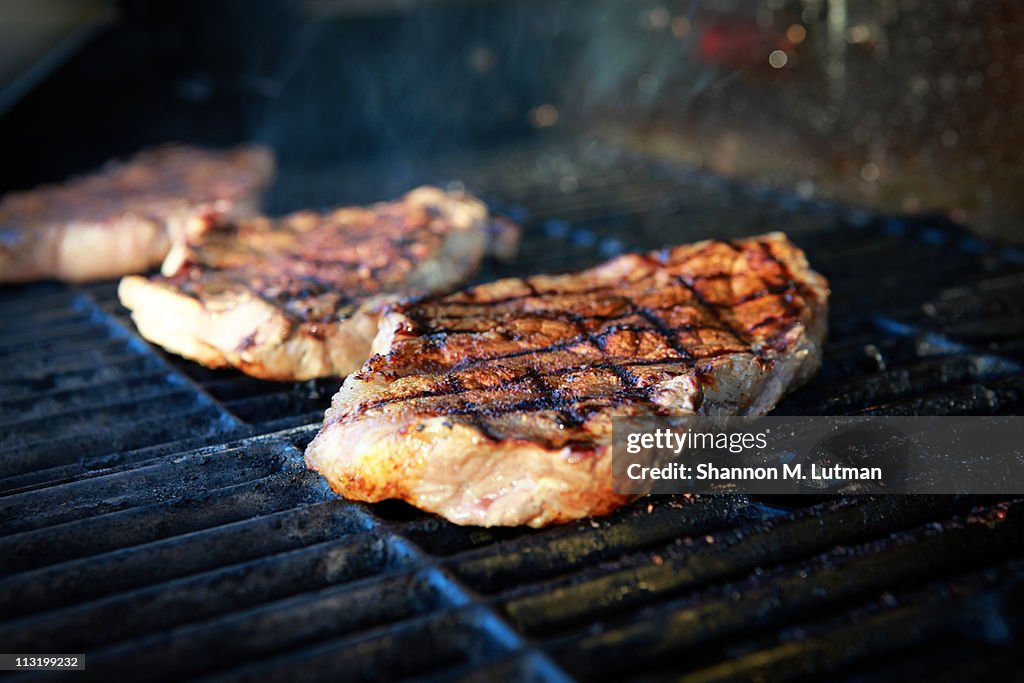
x,y
621,369
532,292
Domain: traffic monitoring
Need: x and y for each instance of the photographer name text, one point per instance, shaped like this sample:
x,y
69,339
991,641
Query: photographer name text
x,y
709,472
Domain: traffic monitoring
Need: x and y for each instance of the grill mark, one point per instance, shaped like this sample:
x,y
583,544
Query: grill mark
x,y
599,338
559,315
533,405
767,251
567,417
629,392
792,306
278,271
193,290
713,311
629,388
534,379
766,322
287,301
320,287
570,418
400,248
720,275
620,369
531,293
664,331
719,311
581,328
339,263
453,386
630,382
232,276
414,314
791,282
561,346
531,287
716,311
583,335
607,332
773,290
744,334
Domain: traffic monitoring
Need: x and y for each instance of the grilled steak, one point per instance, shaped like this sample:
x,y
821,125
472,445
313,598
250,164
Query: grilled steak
x,y
123,218
493,406
299,297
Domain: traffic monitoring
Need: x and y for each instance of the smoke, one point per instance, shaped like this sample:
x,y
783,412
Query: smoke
x,y
397,89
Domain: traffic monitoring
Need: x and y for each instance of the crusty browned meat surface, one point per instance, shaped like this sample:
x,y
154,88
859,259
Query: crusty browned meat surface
x,y
493,406
123,218
299,297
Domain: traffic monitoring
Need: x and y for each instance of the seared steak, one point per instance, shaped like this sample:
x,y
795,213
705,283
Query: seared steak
x,y
493,406
299,297
123,218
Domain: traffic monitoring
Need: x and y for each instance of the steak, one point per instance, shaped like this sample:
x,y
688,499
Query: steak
x,y
123,218
494,405
299,297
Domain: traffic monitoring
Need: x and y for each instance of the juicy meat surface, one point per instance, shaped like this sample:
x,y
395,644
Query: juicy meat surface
x,y
123,218
299,297
493,405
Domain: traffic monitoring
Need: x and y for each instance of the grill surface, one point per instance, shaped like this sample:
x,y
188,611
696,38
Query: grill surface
x,y
157,515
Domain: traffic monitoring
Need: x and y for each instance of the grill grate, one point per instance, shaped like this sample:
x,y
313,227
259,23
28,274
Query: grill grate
x,y
158,517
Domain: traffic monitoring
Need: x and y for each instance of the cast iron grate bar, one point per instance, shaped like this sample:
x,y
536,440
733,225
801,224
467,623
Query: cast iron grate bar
x,y
370,605
82,390
776,598
88,578
954,614
588,595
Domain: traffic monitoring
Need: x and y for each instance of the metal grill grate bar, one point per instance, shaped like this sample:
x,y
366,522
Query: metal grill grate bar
x,y
17,405
937,618
169,479
563,550
440,641
936,373
1000,396
44,362
41,453
160,606
198,510
75,581
273,628
39,302
103,465
109,407
601,590
770,598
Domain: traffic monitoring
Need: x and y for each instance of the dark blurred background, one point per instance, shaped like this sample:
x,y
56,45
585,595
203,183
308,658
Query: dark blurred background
x,y
903,106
